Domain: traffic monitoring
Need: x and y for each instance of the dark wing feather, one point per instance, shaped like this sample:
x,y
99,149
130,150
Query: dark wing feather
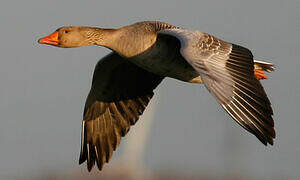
x,y
119,94
227,71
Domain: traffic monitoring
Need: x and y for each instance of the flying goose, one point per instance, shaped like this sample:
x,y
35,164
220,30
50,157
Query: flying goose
x,y
142,55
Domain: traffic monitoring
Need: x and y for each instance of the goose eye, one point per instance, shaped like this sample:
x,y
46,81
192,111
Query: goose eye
x,y
66,31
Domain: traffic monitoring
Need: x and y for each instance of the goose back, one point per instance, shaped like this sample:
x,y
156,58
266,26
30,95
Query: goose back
x,y
140,44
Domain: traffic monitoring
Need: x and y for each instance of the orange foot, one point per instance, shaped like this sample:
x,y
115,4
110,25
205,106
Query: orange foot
x,y
260,74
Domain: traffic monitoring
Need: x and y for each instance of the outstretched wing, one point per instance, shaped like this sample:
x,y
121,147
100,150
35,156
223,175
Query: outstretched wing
x,y
119,94
227,71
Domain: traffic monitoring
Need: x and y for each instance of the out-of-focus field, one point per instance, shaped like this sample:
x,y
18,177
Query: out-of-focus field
x,y
121,173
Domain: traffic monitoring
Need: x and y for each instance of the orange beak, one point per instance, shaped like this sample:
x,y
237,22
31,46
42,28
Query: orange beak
x,y
52,39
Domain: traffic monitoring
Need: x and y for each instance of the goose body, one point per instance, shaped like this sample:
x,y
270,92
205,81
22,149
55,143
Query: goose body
x,y
146,52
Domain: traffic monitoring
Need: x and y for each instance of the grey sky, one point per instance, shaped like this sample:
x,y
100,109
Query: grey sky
x,y
43,88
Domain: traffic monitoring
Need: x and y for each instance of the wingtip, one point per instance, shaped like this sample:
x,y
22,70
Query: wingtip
x,y
270,141
266,139
89,168
99,167
81,159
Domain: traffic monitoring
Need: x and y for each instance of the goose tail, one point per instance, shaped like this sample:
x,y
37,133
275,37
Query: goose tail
x,y
260,67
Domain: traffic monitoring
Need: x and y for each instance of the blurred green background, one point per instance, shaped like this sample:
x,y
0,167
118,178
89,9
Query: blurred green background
x,y
184,133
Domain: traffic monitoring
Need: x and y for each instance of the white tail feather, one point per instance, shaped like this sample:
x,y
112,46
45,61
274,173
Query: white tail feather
x,y
265,66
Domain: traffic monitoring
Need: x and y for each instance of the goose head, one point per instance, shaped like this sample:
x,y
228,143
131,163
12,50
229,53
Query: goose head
x,y
75,36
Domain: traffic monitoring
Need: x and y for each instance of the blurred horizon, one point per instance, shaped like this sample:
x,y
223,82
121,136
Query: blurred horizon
x,y
184,133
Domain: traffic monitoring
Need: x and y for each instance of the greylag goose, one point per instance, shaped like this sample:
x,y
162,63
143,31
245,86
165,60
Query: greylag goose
x,y
142,55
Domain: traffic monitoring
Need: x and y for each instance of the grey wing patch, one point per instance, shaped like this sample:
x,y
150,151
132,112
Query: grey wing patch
x,y
198,47
119,94
227,71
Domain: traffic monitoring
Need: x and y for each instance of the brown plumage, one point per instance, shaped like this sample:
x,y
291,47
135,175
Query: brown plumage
x,y
146,52
120,93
